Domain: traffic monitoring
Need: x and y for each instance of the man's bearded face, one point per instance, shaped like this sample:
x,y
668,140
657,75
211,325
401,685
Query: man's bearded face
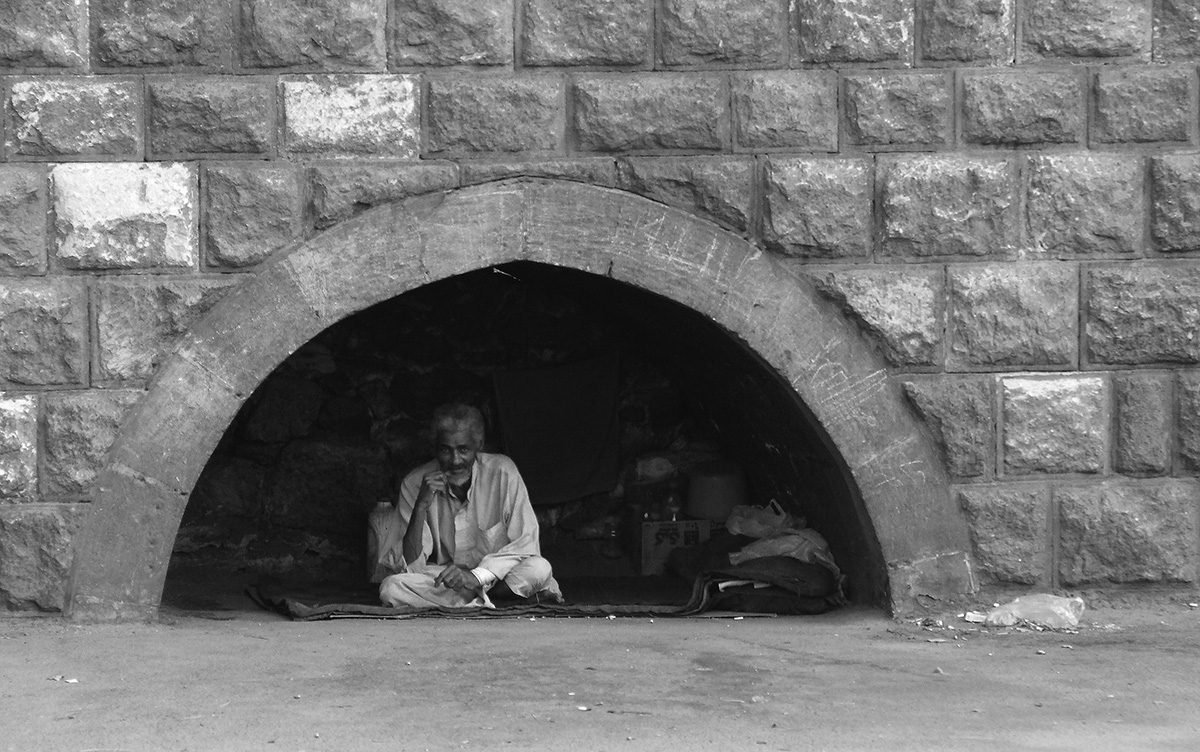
x,y
456,450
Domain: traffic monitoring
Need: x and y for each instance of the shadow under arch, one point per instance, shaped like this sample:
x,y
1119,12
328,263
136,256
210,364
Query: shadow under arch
x,y
122,551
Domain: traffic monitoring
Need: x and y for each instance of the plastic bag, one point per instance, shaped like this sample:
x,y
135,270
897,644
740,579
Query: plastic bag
x,y
1043,609
760,522
804,545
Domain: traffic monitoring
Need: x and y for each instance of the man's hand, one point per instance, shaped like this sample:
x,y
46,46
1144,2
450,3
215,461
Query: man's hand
x,y
432,484
457,578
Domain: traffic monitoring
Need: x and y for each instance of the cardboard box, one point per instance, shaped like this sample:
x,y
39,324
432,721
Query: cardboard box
x,y
654,541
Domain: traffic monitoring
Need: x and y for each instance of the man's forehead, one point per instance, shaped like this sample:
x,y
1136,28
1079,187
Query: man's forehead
x,y
455,435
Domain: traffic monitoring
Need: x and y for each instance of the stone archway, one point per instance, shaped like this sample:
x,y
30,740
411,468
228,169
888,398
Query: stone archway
x,y
121,555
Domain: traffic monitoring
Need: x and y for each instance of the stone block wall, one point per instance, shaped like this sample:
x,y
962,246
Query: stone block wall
x,y
1003,194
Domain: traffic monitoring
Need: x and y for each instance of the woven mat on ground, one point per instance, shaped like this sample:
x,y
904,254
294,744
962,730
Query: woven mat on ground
x,y
787,590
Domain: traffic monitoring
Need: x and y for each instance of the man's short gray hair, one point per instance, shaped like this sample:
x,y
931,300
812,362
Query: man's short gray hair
x,y
455,414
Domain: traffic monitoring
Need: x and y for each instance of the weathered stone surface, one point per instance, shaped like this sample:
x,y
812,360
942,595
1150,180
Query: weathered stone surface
x,y
1147,314
212,115
1023,108
695,32
323,34
595,170
1136,105
1127,532
855,31
252,210
451,32
22,219
1008,531
959,412
139,319
979,31
347,115
35,554
18,447
125,216
1053,29
586,32
716,187
43,34
1175,201
1176,29
1013,315
948,206
339,192
786,109
51,117
894,109
899,308
79,429
1187,422
818,207
43,331
495,114
1085,204
1143,407
1054,424
664,111
162,32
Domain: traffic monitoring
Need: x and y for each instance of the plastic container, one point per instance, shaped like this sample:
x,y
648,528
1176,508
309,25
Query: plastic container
x,y
714,489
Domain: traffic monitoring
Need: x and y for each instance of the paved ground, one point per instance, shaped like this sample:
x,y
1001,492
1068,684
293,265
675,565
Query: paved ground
x,y
851,680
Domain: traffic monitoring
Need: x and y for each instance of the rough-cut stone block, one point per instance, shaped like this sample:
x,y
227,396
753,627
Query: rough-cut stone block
x,y
52,117
1175,201
1187,426
1085,204
594,170
339,192
948,206
896,109
1176,29
1137,105
139,33
22,219
1055,29
586,32
80,427
251,210
899,309
792,110
648,112
1147,314
351,115
696,32
1008,531
855,31
1054,425
1143,407
43,331
451,32
18,447
125,216
139,319
959,412
966,31
1022,108
323,34
35,554
43,34
818,207
1127,532
1013,315
495,115
715,187
212,115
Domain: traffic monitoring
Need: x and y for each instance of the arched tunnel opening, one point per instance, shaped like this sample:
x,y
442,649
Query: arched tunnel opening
x,y
699,416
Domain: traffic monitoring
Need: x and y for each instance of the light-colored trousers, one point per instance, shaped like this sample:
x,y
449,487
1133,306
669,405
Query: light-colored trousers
x,y
415,587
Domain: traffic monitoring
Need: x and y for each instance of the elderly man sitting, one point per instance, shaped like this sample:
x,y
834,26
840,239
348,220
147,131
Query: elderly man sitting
x,y
463,525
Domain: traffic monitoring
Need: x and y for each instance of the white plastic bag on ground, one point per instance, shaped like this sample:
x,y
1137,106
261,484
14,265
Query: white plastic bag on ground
x,y
1043,609
760,522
